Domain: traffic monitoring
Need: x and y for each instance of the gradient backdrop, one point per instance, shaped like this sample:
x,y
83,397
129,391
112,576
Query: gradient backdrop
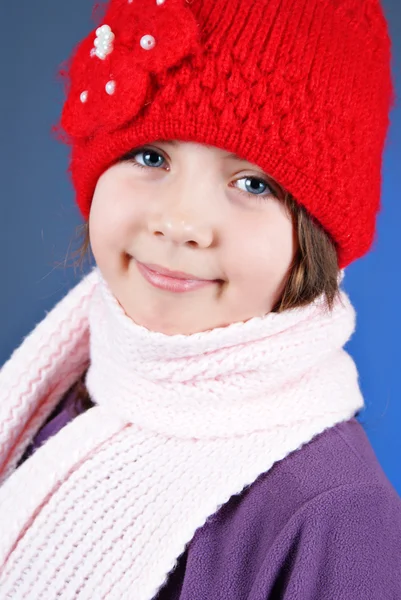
x,y
38,216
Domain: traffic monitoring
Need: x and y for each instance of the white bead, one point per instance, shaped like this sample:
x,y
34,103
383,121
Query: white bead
x,y
84,96
148,42
110,87
159,2
105,29
100,54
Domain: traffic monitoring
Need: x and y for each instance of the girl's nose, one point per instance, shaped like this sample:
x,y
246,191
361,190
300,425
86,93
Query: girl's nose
x,y
182,229
182,215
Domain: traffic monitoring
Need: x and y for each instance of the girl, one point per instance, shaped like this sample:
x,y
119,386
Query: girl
x,y
182,425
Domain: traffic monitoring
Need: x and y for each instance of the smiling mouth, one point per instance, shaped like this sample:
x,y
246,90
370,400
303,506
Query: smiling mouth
x,y
173,274
176,275
171,284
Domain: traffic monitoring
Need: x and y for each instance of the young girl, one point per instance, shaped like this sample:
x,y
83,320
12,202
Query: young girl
x,y
182,425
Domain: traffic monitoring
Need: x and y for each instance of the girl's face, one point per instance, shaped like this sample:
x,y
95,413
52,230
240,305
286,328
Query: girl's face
x,y
197,209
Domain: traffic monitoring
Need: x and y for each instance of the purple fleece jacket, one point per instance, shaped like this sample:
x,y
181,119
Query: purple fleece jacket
x,y
323,524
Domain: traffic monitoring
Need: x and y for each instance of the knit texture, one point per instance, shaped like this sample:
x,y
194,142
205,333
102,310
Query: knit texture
x,y
301,88
182,424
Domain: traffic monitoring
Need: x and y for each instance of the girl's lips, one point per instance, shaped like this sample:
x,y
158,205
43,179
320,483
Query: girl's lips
x,y
171,284
168,273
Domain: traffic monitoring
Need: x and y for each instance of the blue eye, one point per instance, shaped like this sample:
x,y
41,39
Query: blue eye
x,y
262,189
149,155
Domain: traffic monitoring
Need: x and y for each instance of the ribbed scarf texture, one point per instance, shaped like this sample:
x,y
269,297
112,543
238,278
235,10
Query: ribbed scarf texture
x,y
105,508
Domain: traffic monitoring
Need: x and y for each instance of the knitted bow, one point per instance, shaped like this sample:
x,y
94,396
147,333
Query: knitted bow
x,y
110,74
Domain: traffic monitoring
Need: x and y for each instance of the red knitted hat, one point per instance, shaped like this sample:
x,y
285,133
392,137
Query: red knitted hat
x,y
301,88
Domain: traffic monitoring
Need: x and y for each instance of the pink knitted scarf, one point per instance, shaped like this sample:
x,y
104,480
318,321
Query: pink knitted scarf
x,y
105,508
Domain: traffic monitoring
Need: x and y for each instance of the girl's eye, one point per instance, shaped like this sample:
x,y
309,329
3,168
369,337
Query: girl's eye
x,y
254,186
150,158
260,186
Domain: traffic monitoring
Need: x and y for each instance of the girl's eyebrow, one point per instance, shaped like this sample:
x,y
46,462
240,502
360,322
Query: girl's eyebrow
x,y
235,157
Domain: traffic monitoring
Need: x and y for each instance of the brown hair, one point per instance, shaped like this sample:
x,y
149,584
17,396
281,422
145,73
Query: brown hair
x,y
314,271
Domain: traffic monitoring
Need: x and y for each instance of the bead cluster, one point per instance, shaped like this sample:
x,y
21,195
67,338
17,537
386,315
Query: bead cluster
x,y
103,46
103,42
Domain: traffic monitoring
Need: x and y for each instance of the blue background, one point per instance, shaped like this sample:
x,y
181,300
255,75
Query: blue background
x,y
38,216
